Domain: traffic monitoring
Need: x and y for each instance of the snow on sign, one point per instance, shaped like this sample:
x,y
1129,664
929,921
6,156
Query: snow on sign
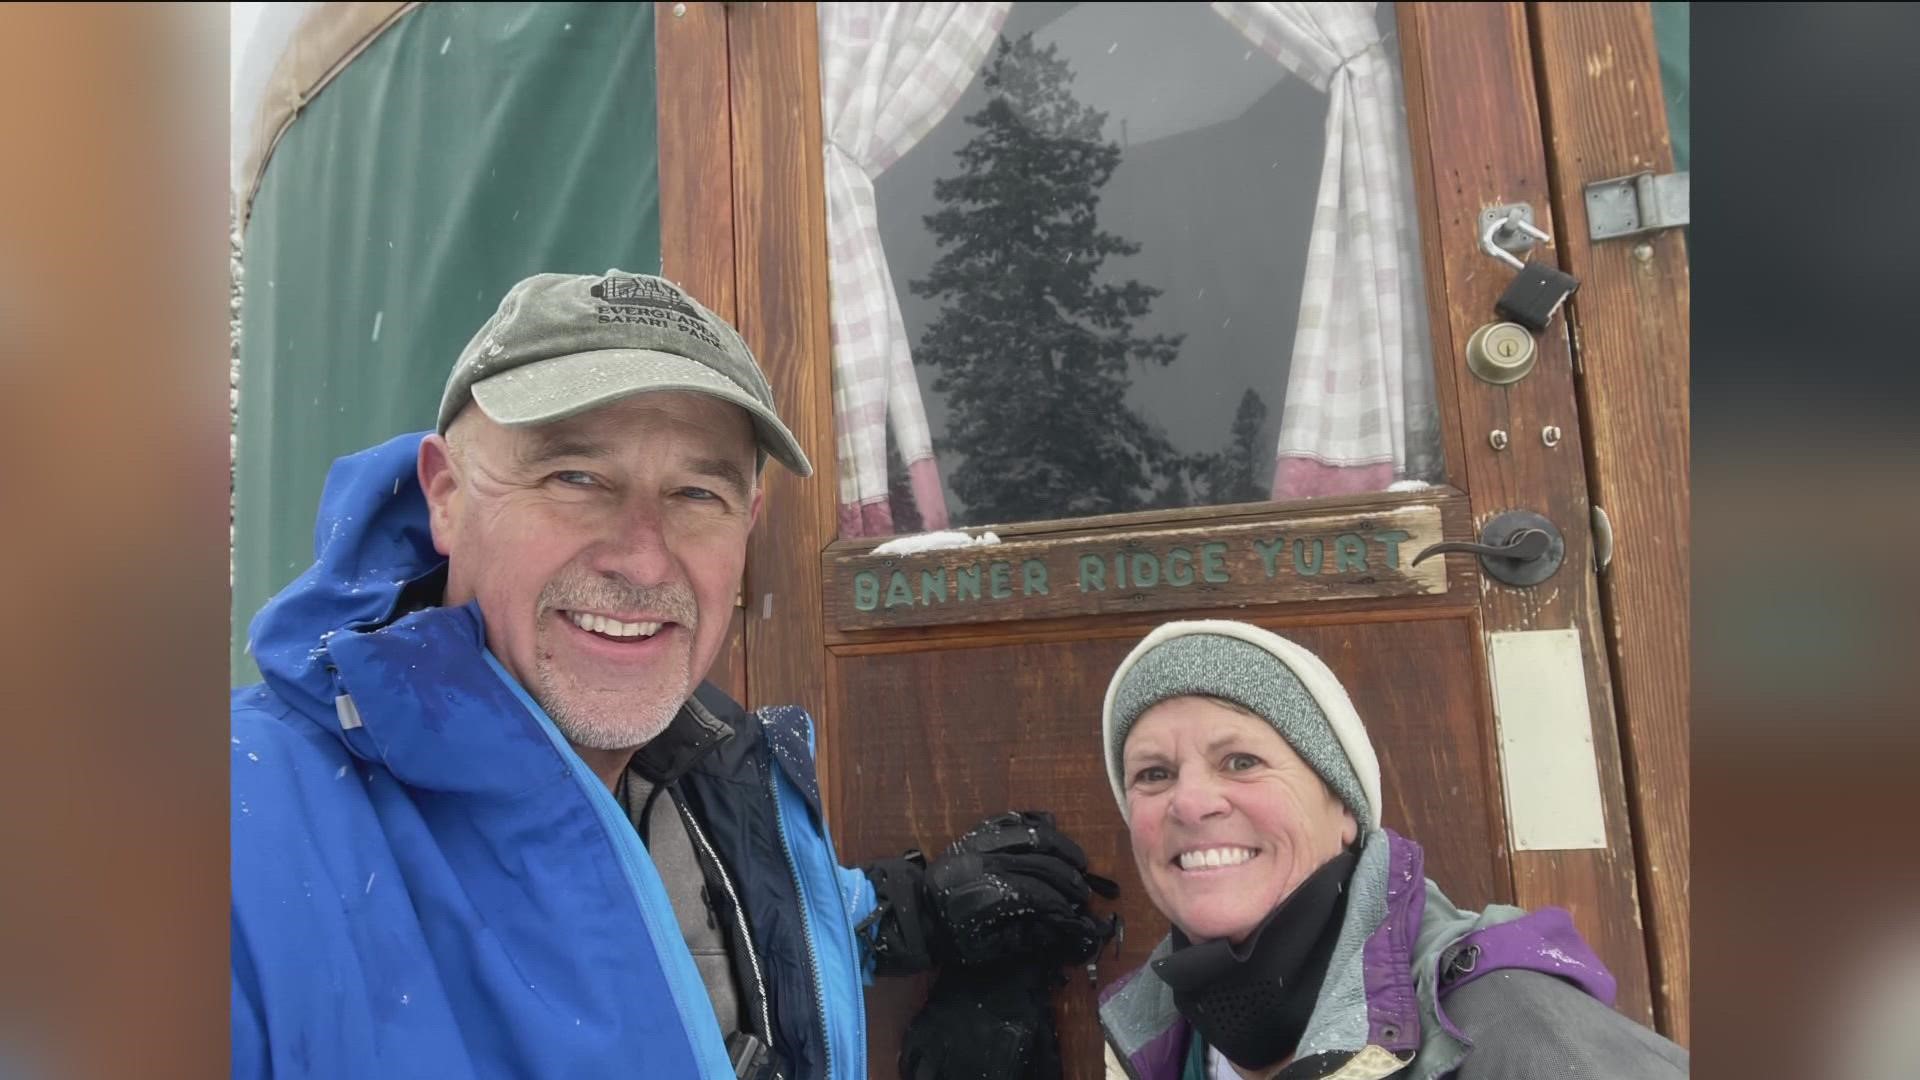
x,y
1355,553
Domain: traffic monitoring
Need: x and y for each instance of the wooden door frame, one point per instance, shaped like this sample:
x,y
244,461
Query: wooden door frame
x,y
1598,69
1470,72
780,260
696,209
781,290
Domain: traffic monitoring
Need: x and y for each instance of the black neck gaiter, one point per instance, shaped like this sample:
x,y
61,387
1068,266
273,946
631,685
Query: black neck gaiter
x,y
1252,1003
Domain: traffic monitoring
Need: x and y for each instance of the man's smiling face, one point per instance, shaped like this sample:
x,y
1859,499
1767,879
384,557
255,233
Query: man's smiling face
x,y
605,551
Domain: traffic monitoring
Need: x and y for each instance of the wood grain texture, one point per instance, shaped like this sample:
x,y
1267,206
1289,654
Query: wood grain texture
x,y
1283,558
780,251
696,212
937,730
1599,75
696,154
1479,143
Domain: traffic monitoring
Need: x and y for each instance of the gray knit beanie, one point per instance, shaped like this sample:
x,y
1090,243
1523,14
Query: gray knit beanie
x,y
1267,675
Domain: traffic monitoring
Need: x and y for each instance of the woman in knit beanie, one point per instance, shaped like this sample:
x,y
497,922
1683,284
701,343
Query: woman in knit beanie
x,y
1306,940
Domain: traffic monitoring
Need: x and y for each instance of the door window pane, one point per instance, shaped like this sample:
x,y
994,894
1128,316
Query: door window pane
x,y
1097,258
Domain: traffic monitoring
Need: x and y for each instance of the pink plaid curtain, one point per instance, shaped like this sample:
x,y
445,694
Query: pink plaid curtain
x,y
1360,411
889,73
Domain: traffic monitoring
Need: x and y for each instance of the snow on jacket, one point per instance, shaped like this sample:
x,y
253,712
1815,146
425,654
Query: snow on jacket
x,y
428,881
1525,995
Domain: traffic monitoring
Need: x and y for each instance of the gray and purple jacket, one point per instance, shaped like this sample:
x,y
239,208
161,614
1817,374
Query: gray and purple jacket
x,y
1403,947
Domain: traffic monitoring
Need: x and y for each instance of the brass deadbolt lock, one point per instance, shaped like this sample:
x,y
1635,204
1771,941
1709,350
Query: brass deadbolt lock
x,y
1500,353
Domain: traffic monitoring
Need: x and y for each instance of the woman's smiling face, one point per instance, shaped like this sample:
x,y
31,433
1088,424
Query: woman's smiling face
x,y
1226,820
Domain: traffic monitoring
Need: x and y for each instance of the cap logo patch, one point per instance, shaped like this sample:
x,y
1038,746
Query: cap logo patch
x,y
636,300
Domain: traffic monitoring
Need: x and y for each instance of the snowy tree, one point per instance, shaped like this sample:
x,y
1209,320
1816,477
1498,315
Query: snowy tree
x,y
1031,345
1231,475
1177,493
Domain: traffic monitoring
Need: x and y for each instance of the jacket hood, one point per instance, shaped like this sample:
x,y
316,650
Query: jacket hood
x,y
371,541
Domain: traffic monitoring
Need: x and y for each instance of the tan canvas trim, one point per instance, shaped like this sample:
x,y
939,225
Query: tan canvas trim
x,y
326,41
1371,1063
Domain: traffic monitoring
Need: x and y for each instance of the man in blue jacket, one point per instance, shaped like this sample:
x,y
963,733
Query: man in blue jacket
x,y
487,819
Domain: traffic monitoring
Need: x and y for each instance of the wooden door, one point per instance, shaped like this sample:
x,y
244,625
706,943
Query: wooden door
x,y
951,685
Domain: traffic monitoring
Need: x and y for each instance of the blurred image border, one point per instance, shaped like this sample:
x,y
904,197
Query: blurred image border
x,y
114,425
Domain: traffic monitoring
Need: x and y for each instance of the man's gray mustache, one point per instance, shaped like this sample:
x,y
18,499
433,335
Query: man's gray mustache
x,y
673,601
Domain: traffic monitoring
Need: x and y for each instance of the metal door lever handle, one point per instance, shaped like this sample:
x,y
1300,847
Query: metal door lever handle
x,y
1518,548
1524,546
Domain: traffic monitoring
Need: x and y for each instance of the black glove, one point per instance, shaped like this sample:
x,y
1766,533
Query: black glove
x,y
903,937
1013,887
983,1023
1016,888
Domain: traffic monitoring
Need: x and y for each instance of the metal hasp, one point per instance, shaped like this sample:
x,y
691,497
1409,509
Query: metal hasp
x,y
1508,232
1631,205
1518,547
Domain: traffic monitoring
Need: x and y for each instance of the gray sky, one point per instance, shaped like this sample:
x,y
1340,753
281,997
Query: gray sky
x,y
245,16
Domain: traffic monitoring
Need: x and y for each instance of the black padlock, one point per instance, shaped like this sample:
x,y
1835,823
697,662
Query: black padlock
x,y
1536,293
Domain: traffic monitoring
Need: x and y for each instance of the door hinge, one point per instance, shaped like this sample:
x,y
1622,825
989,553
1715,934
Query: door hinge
x,y
1602,540
1631,205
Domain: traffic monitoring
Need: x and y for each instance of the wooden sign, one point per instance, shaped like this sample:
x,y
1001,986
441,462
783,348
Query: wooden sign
x,y
1327,557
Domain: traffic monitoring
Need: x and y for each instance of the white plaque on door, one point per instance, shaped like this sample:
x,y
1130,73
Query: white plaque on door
x,y
1546,741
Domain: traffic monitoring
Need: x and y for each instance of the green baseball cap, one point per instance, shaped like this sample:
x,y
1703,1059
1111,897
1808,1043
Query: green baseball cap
x,y
561,344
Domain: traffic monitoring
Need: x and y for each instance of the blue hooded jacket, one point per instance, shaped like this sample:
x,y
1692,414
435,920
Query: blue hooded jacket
x,y
428,881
